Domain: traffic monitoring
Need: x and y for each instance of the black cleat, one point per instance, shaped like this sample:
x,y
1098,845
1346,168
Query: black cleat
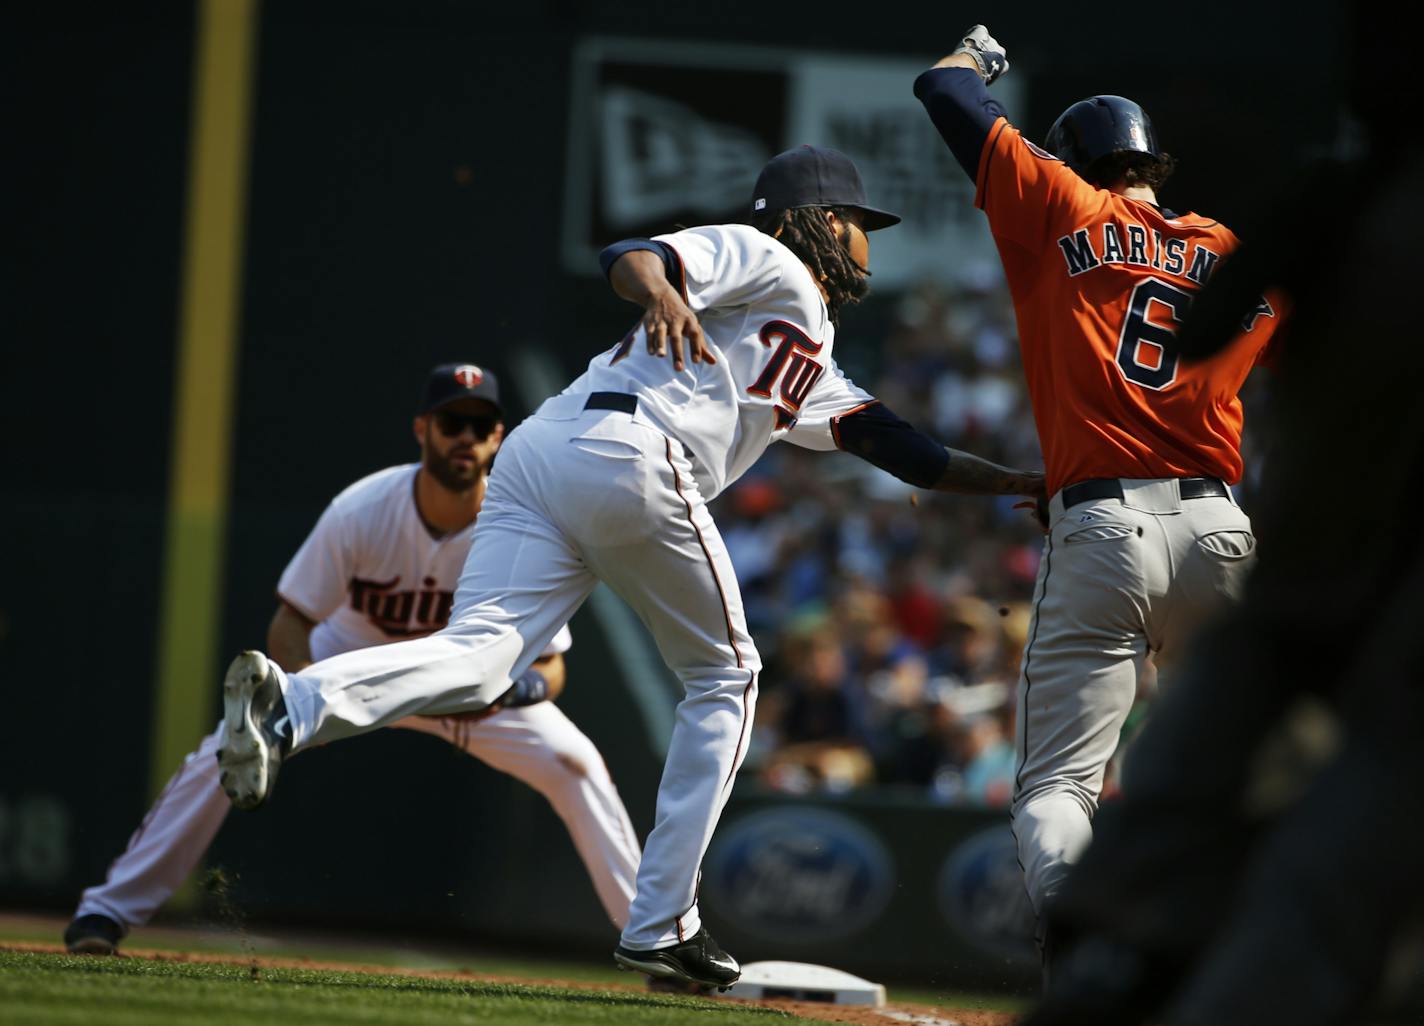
x,y
698,961
93,935
257,734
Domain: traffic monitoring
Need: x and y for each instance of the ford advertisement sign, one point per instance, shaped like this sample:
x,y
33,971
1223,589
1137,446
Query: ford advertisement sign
x,y
982,896
796,873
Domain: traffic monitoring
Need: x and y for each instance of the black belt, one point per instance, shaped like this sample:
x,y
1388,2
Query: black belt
x,y
1111,488
620,401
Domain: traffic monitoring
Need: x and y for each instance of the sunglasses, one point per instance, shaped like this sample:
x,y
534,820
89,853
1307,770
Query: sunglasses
x,y
452,424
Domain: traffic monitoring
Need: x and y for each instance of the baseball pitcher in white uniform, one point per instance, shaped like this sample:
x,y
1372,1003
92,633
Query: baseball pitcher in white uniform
x,y
381,565
610,481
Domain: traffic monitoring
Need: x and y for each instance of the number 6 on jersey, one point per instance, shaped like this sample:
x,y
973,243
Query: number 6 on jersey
x,y
1143,355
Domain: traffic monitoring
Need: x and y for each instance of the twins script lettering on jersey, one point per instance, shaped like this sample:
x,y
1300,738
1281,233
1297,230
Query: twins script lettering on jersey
x,y
793,365
401,614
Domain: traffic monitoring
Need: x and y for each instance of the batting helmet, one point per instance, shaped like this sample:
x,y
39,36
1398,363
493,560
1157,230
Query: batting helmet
x,y
1097,126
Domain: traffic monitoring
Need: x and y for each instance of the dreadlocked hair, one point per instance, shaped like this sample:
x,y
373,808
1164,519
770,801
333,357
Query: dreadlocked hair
x,y
807,233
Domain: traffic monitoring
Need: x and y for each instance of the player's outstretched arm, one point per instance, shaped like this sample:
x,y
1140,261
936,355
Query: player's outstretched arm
x,y
640,276
967,474
875,434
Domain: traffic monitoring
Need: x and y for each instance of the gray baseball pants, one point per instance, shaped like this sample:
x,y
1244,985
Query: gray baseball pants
x,y
1119,578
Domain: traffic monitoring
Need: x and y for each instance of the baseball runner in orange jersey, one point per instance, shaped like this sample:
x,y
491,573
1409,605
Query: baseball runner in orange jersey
x,y
1144,537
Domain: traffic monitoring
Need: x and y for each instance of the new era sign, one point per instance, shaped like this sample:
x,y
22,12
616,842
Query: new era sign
x,y
669,135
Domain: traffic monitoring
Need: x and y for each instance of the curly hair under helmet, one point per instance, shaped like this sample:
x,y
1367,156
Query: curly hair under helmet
x,y
1130,168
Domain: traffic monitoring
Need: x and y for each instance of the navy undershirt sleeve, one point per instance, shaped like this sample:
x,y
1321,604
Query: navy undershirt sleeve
x,y
961,108
671,264
879,437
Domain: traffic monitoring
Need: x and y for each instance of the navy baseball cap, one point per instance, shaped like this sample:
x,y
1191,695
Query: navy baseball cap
x,y
451,381
814,176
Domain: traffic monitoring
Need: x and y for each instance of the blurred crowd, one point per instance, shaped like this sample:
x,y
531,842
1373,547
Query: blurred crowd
x,y
892,628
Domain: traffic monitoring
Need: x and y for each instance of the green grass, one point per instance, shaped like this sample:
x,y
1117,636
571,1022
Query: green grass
x,y
328,947
422,955
47,990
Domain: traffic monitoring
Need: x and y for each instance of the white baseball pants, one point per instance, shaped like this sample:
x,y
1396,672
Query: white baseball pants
x,y
578,496
538,745
1118,578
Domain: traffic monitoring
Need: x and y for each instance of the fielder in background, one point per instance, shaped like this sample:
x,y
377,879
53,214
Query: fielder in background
x,y
610,481
381,565
1144,537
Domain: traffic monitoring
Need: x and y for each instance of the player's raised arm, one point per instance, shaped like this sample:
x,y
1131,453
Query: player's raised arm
x,y
642,271
954,95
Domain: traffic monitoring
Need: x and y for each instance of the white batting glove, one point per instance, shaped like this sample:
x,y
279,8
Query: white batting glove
x,y
987,53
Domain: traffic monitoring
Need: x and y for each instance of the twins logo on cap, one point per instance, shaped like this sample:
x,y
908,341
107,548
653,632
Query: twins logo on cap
x,y
468,375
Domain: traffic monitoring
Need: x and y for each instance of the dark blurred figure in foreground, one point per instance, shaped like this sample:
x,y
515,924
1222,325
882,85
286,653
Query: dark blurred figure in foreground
x,y
1233,885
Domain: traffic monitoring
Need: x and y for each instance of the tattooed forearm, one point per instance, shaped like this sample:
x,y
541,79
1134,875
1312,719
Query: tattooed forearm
x,y
967,474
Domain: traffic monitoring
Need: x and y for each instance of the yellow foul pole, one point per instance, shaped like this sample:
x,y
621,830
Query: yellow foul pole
x,y
205,380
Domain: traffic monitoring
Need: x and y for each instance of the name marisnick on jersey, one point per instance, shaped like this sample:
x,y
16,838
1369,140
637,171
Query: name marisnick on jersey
x,y
1087,249
1098,246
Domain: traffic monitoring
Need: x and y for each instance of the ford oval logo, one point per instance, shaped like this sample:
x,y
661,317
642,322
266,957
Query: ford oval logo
x,y
799,873
982,896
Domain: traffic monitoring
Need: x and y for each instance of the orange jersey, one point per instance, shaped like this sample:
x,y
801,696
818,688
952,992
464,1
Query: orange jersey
x,y
1099,283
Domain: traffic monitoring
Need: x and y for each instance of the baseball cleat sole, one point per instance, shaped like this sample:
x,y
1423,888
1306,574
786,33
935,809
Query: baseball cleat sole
x,y
247,759
668,985
686,963
649,963
667,971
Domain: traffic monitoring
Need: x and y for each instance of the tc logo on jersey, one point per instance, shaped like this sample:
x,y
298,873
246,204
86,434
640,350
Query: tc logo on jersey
x,y
793,365
468,375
